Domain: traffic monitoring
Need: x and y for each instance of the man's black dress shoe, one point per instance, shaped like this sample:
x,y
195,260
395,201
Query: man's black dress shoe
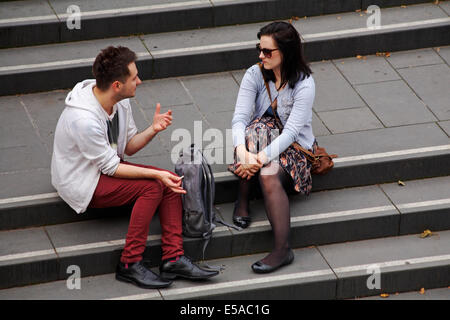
x,y
138,274
183,267
260,267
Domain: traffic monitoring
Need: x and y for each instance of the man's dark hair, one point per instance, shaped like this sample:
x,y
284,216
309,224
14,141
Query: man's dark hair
x,y
111,64
294,66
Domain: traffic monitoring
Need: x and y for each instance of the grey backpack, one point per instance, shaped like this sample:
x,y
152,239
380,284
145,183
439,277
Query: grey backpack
x,y
199,215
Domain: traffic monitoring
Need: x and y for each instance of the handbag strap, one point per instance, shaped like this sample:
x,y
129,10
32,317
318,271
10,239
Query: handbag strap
x,y
297,145
312,157
265,82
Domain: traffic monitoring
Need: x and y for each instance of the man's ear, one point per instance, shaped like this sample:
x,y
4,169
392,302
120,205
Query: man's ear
x,y
116,85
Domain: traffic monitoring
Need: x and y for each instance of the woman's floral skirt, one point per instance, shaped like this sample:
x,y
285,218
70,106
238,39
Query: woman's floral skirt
x,y
260,133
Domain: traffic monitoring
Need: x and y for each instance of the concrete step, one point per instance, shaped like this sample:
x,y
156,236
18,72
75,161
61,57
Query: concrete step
x,y
365,158
337,271
161,55
25,23
43,254
432,294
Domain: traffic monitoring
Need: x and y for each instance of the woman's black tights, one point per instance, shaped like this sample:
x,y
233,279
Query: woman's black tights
x,y
273,181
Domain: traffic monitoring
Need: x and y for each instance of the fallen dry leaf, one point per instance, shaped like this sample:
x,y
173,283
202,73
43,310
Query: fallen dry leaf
x,y
422,291
358,10
360,57
426,233
402,6
384,295
401,183
383,54
295,18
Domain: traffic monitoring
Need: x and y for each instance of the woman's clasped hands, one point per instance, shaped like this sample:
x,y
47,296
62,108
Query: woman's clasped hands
x,y
249,163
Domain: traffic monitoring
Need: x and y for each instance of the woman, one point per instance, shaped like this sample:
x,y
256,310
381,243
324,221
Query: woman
x,y
261,155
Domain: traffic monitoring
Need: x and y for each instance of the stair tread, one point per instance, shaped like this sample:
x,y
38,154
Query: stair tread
x,y
356,148
428,294
37,22
329,263
191,41
374,145
320,208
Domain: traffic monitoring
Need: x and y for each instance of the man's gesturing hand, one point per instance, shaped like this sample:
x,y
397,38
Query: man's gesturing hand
x,y
172,181
161,120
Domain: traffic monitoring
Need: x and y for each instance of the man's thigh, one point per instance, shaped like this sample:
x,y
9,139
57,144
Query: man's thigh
x,y
115,192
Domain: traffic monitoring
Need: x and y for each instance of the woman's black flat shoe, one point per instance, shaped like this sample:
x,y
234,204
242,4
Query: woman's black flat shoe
x,y
260,267
242,222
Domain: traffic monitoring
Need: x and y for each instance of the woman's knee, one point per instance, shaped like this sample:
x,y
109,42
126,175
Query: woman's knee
x,y
268,181
272,176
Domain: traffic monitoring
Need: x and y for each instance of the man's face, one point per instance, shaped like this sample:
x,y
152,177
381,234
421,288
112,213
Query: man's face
x,y
128,88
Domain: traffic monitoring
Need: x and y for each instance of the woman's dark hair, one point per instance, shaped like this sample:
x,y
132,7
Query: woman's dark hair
x,y
111,64
293,66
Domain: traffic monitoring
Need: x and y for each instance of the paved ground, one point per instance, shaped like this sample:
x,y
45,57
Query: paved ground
x,y
402,90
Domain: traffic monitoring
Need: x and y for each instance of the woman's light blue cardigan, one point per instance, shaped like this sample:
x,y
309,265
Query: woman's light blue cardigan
x,y
294,107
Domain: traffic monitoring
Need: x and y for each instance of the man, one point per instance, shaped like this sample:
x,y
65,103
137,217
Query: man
x,y
94,132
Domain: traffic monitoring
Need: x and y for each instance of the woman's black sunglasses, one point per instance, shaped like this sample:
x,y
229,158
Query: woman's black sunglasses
x,y
267,52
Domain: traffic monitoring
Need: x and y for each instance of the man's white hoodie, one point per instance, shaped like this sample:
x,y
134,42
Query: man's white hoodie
x,y
81,150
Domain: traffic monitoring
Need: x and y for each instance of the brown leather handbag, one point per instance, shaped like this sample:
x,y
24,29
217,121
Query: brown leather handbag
x,y
321,161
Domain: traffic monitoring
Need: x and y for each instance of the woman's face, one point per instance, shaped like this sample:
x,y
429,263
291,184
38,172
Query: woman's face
x,y
271,60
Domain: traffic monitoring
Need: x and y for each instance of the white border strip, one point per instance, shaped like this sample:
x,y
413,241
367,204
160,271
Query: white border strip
x,y
24,255
94,245
395,263
392,153
222,174
81,247
29,198
115,11
229,174
121,242
28,19
421,204
284,277
204,48
328,215
143,296
265,223
57,63
380,28
123,10
227,45
232,284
